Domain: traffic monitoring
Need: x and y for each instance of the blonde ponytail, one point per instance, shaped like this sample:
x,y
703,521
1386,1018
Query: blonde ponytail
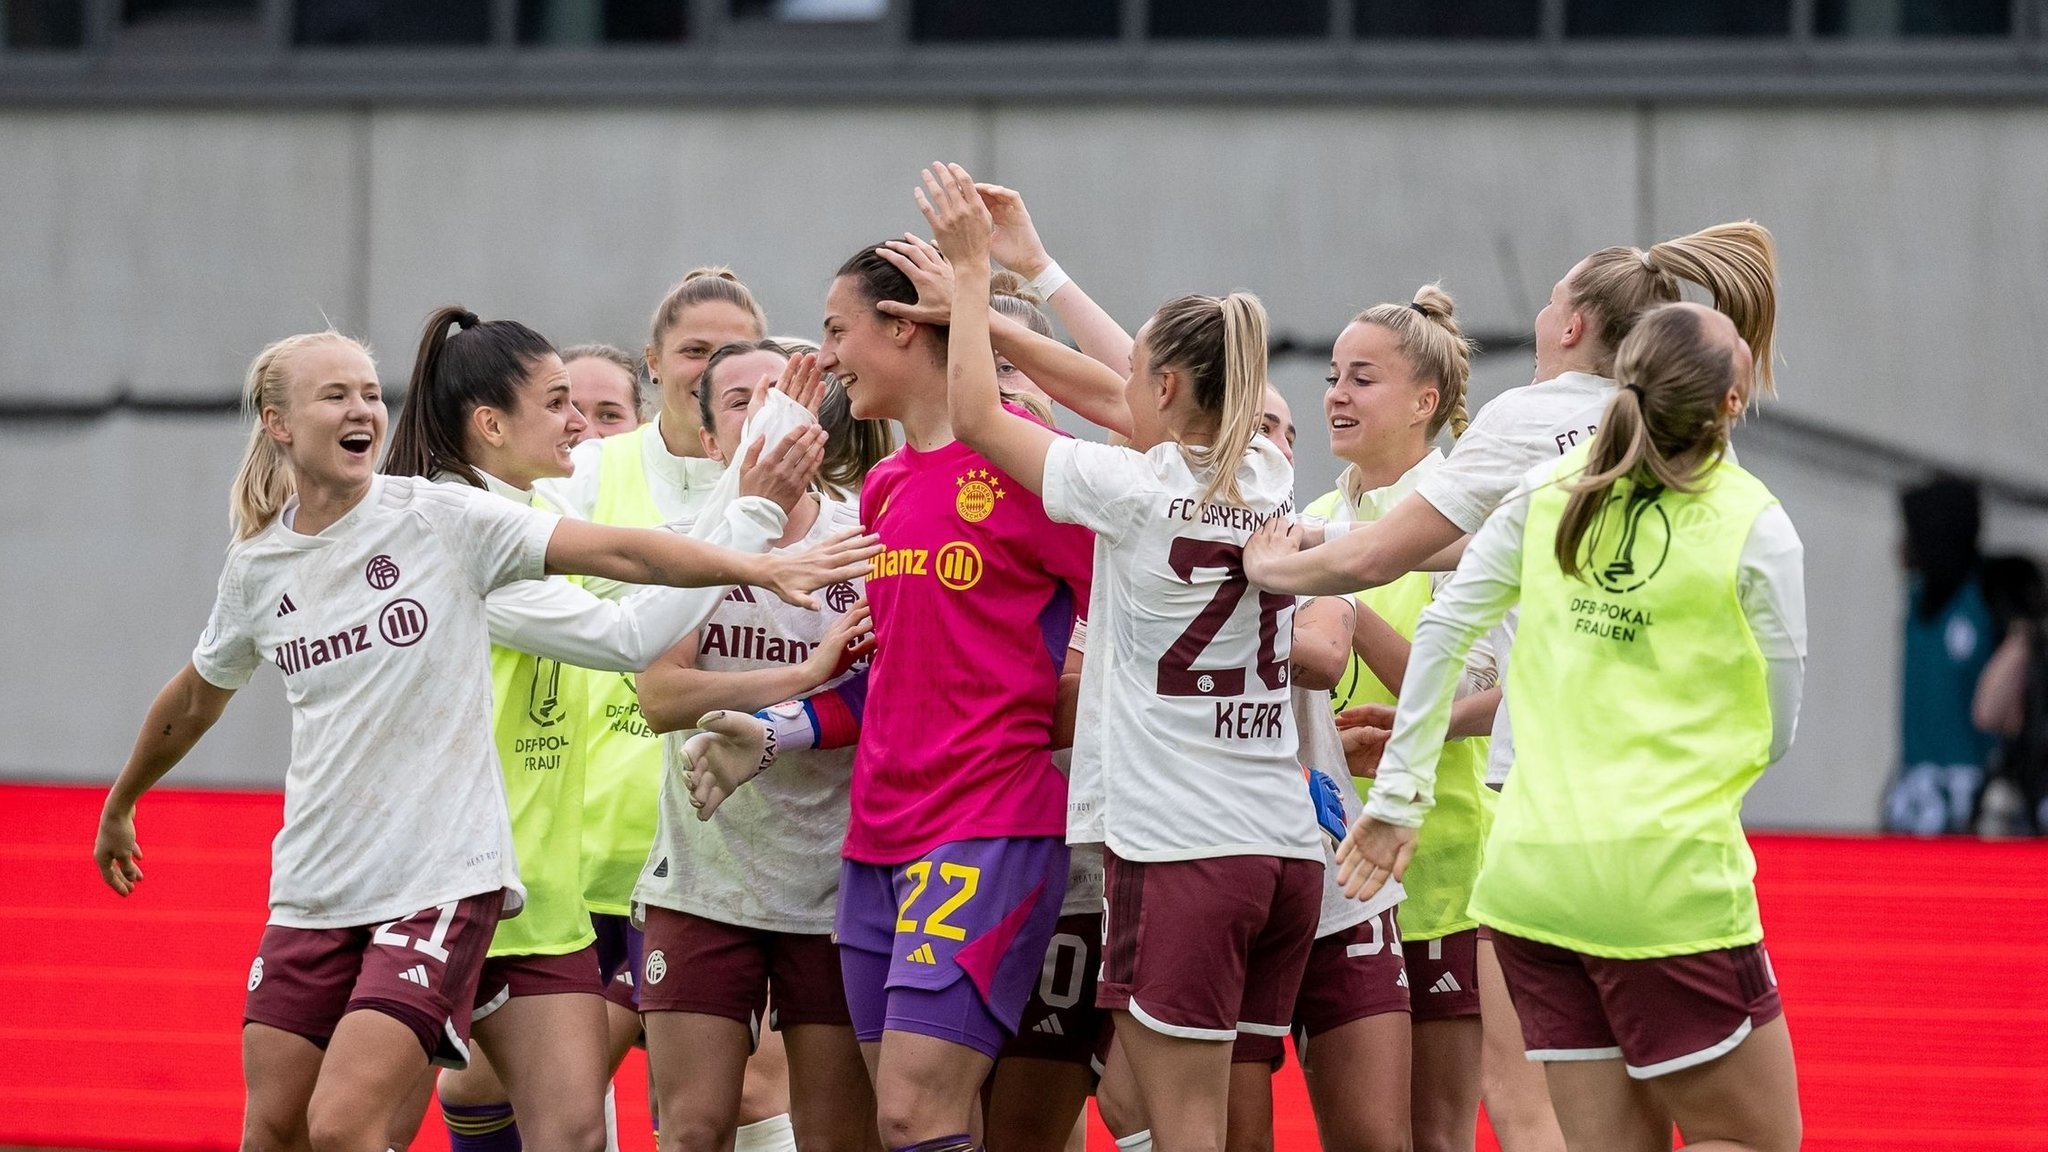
x,y
264,482
1663,429
1736,262
1219,345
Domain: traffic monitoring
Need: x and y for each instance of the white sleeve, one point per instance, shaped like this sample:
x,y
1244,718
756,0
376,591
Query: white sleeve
x,y
561,620
226,655
1484,466
497,540
776,418
1097,486
1487,584
1482,667
1771,586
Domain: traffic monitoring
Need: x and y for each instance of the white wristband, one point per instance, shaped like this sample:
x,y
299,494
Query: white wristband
x,y
1050,279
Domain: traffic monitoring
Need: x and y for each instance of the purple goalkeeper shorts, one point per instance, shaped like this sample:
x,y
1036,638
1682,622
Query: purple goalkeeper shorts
x,y
908,933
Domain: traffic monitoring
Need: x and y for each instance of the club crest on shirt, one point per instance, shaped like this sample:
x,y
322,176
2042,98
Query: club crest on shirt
x,y
979,491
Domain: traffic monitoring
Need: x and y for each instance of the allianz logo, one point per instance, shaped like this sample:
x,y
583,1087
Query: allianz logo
x,y
400,624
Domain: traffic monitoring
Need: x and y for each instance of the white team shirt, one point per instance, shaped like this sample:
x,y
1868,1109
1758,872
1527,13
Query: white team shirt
x,y
1322,748
1084,858
1207,766
769,858
1522,428
393,799
559,619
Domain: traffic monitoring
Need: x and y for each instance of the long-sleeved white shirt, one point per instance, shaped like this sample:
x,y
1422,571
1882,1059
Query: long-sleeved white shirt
x,y
1770,587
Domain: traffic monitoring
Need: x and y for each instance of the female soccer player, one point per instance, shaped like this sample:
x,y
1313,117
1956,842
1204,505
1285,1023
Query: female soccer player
x,y
1589,312
655,474
396,858
1196,706
743,904
1658,674
491,407
955,861
1398,375
604,384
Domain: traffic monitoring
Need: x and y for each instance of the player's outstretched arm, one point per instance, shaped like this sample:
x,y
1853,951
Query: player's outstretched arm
x,y
1407,539
652,556
960,223
183,712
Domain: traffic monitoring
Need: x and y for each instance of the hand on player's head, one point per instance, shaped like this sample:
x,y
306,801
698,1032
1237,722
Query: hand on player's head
x,y
929,274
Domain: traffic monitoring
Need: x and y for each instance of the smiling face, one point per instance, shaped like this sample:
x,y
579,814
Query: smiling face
x,y
603,392
334,426
678,360
861,347
731,387
532,441
1373,401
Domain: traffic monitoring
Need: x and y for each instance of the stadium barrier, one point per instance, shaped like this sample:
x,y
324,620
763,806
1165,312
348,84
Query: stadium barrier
x,y
1915,975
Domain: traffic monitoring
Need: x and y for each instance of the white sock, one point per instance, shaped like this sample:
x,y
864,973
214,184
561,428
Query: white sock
x,y
1136,1142
771,1135
611,1120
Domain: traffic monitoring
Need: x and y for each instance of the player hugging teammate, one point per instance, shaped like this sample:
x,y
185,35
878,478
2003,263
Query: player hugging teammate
x,y
903,797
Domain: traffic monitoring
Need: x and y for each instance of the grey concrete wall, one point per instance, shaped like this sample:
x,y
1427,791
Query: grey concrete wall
x,y
155,251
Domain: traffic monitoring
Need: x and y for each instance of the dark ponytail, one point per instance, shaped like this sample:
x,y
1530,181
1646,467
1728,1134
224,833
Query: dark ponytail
x,y
479,365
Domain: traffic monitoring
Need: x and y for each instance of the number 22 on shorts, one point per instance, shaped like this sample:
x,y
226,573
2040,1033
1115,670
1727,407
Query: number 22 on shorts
x,y
965,879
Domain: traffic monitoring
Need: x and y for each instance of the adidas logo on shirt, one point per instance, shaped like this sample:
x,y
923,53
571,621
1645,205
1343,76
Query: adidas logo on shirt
x,y
1401,981
922,954
1447,983
661,869
1050,1026
285,607
417,974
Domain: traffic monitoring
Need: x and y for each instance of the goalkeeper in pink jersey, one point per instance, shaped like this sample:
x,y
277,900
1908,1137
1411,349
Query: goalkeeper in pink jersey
x,y
955,856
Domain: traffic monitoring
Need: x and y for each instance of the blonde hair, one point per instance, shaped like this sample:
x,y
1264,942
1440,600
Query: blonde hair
x,y
613,355
713,282
1011,295
1220,345
264,481
1429,338
1737,263
1664,428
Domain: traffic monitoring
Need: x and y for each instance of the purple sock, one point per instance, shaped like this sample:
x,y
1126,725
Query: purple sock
x,y
481,1128
960,1143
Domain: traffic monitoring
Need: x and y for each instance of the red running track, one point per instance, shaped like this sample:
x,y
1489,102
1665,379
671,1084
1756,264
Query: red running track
x,y
1915,975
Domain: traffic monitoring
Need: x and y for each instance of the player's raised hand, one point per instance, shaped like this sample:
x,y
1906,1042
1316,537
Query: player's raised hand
x,y
960,222
803,381
731,749
115,851
1014,243
929,273
783,473
1364,745
1371,855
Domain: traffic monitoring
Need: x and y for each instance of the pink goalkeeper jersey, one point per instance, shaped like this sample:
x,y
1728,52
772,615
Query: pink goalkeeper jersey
x,y
973,602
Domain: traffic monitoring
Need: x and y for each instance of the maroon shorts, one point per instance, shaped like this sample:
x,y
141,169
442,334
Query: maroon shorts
x,y
508,977
697,965
618,957
1204,949
1656,1016
1351,974
1061,1021
420,970
1443,976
